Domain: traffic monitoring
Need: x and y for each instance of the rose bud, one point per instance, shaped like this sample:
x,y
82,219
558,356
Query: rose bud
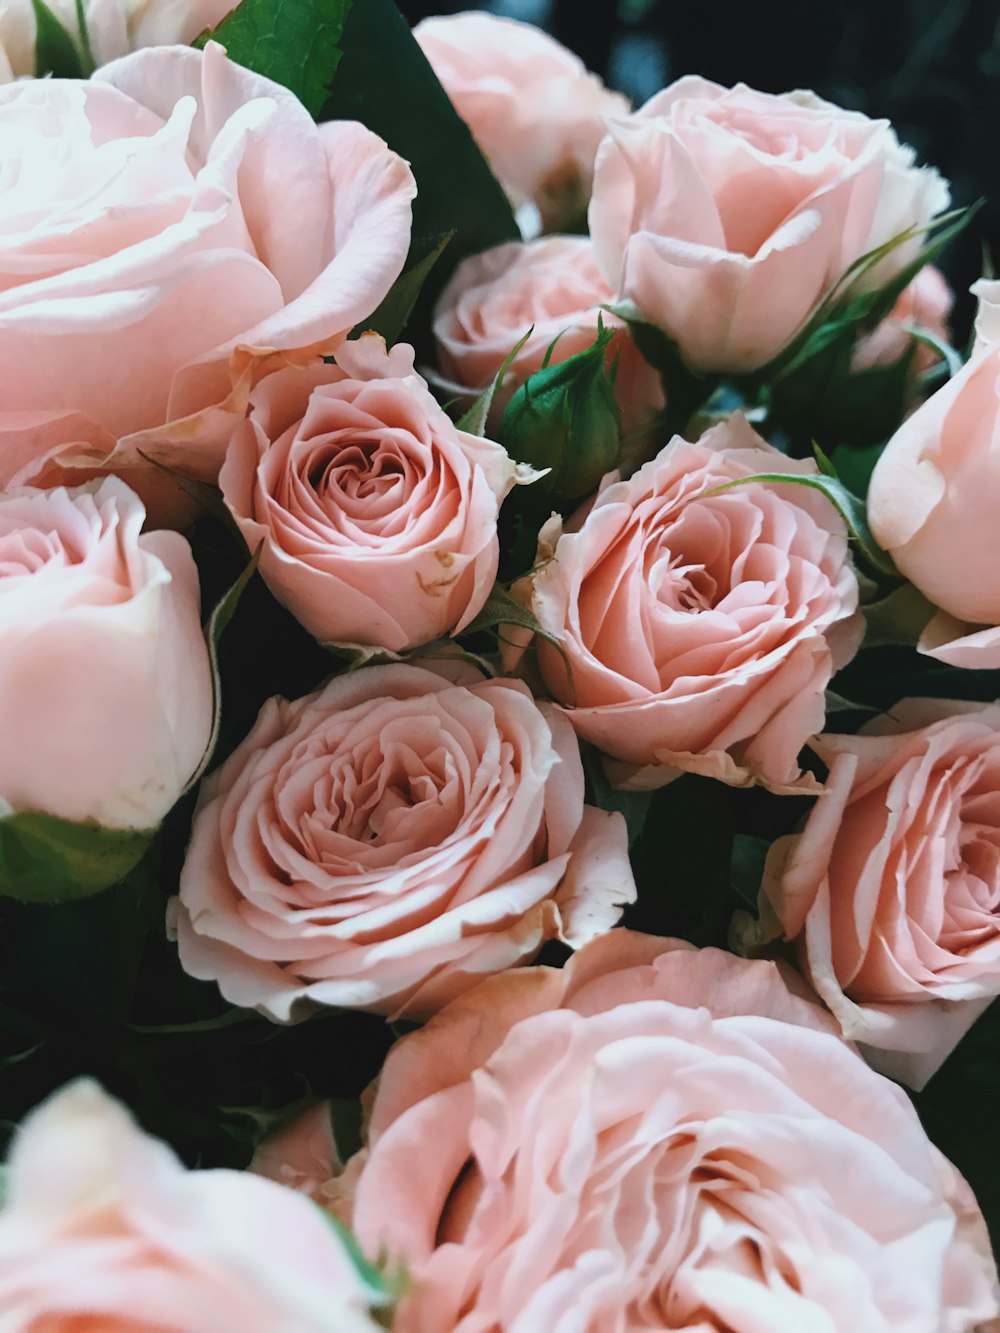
x,y
565,418
105,684
532,107
103,1228
932,503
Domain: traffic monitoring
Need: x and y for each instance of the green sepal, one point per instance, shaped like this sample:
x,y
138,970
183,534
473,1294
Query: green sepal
x,y
473,422
44,859
392,314
55,51
222,614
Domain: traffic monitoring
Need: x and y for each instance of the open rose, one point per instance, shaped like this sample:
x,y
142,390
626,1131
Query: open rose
x,y
701,624
114,27
892,889
105,686
183,227
726,215
378,517
658,1137
552,290
932,503
383,843
533,109
102,1227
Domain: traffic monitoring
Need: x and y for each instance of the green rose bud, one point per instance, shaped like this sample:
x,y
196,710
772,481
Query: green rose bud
x,y
565,418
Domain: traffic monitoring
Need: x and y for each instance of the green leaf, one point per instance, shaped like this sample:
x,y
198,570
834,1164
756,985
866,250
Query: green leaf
x,y
634,805
391,316
850,508
217,622
384,81
686,390
55,51
48,860
297,43
474,420
208,497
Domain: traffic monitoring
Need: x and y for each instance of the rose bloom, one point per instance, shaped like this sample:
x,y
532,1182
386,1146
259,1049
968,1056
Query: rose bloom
x,y
384,842
175,226
924,304
114,27
657,1137
701,625
105,684
726,215
552,290
103,1228
932,505
892,889
378,517
533,109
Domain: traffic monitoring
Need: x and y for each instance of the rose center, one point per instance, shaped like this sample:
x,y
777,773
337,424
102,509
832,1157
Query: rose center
x,y
28,550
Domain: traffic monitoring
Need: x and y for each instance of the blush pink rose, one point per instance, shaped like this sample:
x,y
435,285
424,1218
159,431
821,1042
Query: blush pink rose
x,y
924,305
105,684
114,27
932,505
701,626
658,1137
726,215
533,109
102,1228
150,269
378,517
549,289
892,889
302,1155
383,843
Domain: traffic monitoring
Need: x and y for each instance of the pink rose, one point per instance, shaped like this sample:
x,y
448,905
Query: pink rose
x,y
552,288
150,271
384,842
701,625
378,518
105,685
658,1137
932,505
892,889
114,27
726,215
103,1228
925,304
302,1155
533,109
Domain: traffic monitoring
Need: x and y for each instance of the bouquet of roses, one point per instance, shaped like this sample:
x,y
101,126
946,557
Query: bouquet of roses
x,y
499,648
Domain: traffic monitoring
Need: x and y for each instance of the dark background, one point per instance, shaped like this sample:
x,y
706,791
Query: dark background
x,y
931,66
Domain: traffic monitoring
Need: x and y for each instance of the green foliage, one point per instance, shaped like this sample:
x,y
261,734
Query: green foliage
x,y
297,43
48,860
55,51
391,316
384,81
565,419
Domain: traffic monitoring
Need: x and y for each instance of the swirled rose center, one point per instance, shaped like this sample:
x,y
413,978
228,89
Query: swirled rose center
x,y
26,551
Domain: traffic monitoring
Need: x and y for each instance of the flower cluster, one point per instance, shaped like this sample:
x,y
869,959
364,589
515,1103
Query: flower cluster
x,y
522,672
